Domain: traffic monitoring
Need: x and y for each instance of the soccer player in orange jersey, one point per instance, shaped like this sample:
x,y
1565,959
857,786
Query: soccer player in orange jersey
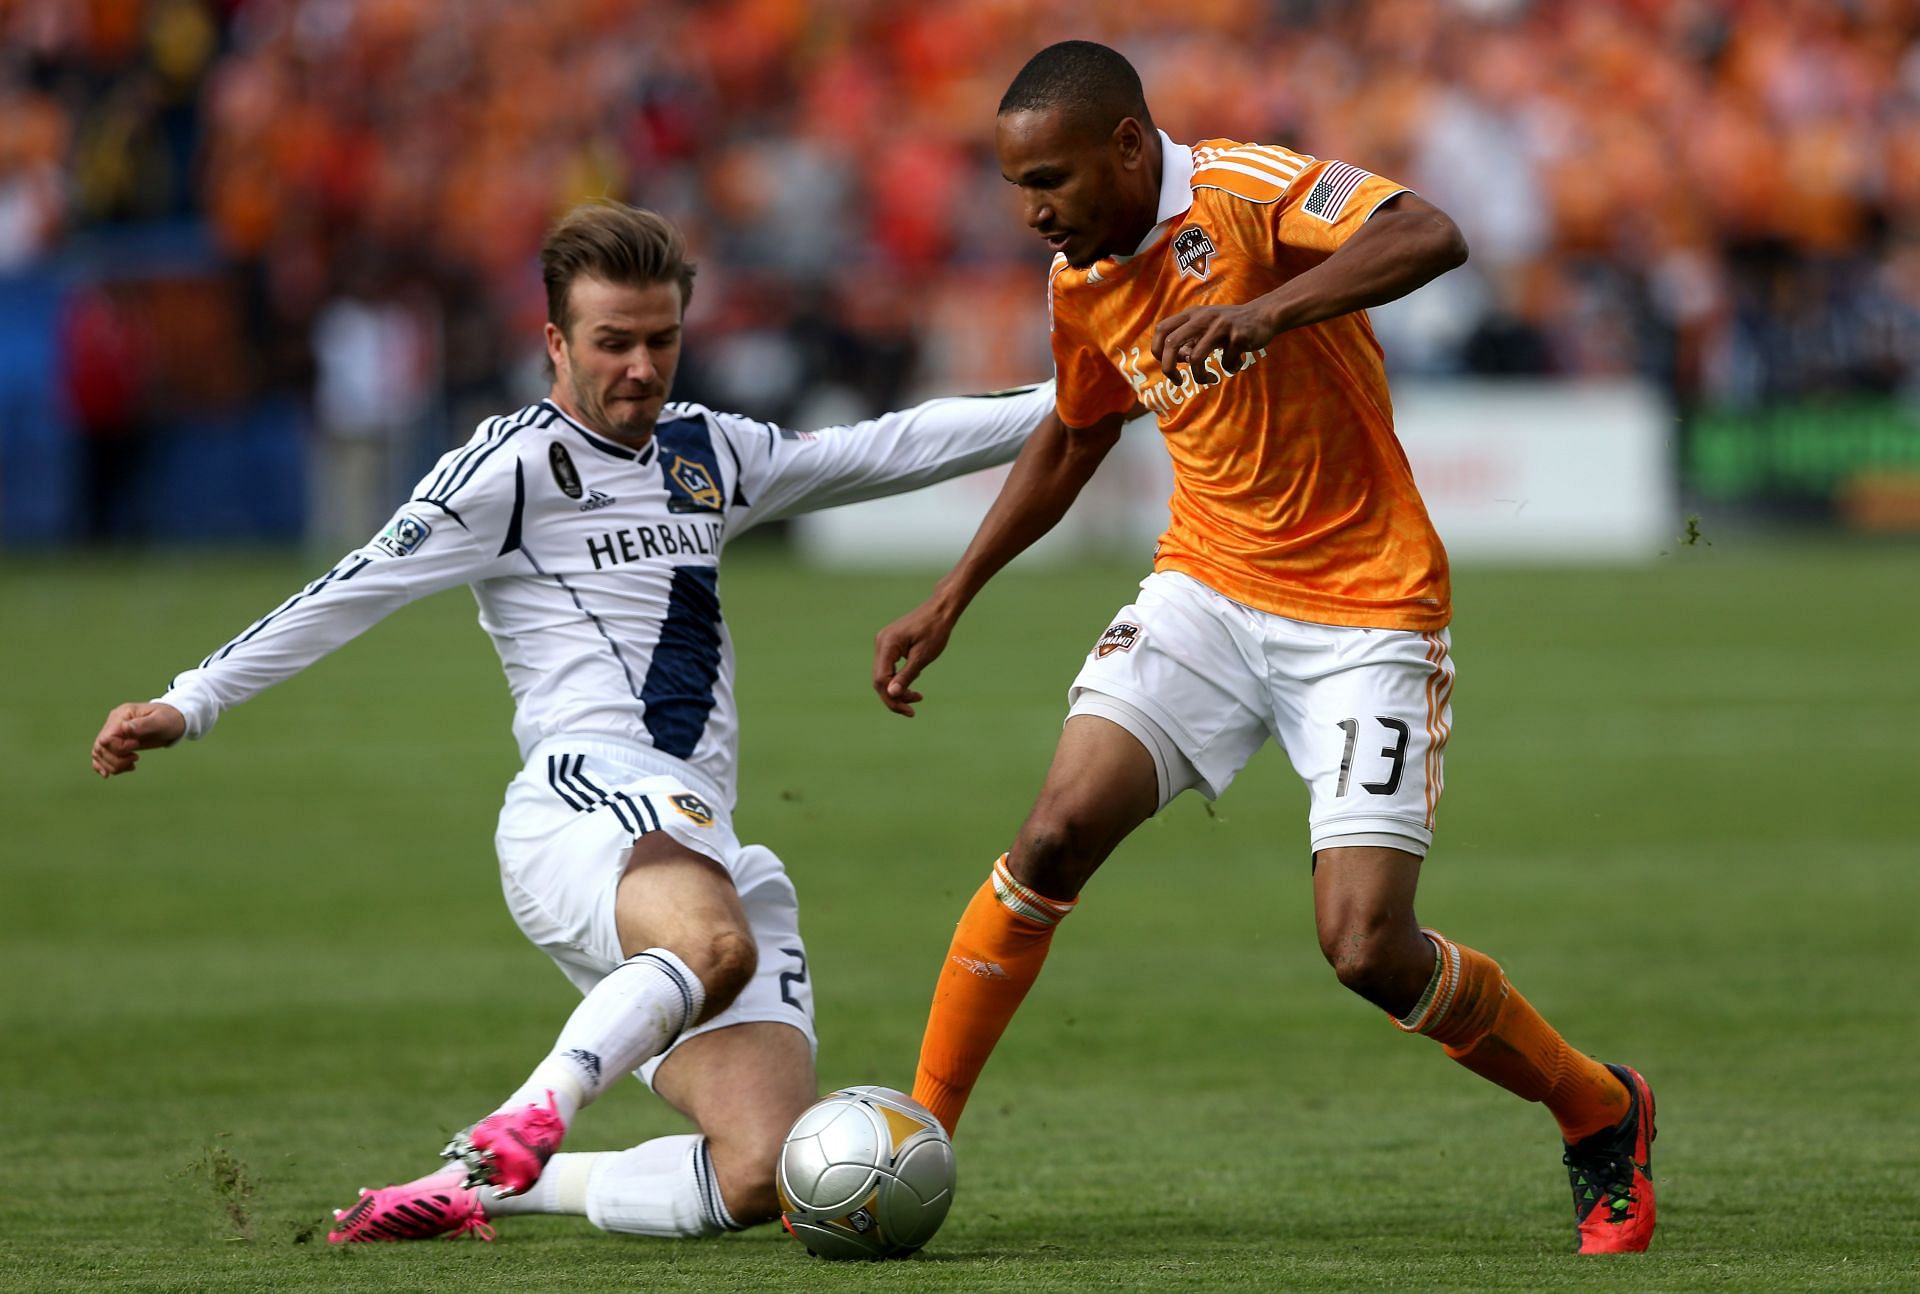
x,y
1300,592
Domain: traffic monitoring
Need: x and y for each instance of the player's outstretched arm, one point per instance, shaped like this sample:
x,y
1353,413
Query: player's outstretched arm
x,y
1050,472
1407,243
132,727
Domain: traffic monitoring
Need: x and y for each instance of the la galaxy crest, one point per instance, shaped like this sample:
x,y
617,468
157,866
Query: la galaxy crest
x,y
692,806
1193,252
697,490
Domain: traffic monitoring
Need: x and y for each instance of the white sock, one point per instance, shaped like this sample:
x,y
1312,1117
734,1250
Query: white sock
x,y
626,1019
562,1188
663,1187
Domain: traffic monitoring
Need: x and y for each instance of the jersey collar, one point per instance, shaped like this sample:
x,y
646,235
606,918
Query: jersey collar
x,y
611,448
1176,190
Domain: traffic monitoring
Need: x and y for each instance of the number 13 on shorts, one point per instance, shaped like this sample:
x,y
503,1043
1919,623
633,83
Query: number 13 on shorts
x,y
1372,742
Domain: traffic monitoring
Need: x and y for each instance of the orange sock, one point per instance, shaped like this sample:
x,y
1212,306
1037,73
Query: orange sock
x,y
1482,1021
995,957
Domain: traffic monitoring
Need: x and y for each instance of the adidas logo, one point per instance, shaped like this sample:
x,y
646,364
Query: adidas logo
x,y
984,969
587,1061
595,499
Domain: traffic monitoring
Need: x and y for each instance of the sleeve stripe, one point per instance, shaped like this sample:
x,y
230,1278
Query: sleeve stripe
x,y
480,454
1277,186
341,572
494,428
491,427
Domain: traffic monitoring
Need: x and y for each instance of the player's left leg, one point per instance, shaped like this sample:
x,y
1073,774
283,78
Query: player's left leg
x,y
742,1086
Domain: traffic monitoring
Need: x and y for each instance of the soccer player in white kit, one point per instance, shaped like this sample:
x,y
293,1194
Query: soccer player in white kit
x,y
590,526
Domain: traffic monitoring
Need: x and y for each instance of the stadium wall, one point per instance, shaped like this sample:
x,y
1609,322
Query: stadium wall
x,y
1513,472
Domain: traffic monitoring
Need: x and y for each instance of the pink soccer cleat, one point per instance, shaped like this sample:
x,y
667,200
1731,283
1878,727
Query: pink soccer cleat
x,y
508,1150
435,1205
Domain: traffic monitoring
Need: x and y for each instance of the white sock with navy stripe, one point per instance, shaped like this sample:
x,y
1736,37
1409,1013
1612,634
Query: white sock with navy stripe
x,y
624,1021
663,1187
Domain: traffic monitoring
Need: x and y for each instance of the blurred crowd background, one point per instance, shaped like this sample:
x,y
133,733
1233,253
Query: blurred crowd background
x,y
315,221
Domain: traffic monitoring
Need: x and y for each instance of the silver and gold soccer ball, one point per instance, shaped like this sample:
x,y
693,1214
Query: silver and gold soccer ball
x,y
866,1173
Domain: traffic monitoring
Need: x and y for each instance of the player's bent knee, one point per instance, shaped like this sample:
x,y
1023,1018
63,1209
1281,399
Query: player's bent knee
x,y
1057,850
726,967
1378,962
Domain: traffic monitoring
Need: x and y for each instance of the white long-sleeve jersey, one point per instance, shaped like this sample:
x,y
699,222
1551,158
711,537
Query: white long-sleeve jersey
x,y
596,566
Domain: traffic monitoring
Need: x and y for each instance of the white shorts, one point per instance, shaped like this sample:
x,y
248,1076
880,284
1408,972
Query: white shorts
x,y
568,824
1203,681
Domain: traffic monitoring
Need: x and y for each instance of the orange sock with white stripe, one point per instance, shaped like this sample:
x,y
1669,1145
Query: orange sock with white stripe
x,y
996,955
1482,1021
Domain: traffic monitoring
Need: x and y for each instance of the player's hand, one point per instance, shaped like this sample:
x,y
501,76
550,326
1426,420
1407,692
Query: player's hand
x,y
903,649
132,728
1192,335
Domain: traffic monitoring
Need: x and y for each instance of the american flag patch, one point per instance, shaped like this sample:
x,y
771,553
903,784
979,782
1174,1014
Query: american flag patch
x,y
1331,191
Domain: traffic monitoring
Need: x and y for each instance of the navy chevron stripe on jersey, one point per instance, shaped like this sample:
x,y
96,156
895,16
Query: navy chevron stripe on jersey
x,y
739,474
686,663
686,450
342,572
512,541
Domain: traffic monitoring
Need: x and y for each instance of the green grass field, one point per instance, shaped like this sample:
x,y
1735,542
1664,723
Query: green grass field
x,y
1681,810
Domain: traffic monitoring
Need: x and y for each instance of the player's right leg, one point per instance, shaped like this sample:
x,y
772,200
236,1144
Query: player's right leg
x,y
1101,786
1163,703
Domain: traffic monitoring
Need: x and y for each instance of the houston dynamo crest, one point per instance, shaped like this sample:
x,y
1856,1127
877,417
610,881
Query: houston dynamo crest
x,y
1193,251
1120,636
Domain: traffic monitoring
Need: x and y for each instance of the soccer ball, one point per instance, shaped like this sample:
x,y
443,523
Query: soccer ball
x,y
865,1173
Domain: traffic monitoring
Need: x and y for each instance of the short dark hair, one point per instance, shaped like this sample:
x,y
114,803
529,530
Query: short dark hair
x,y
1082,77
615,243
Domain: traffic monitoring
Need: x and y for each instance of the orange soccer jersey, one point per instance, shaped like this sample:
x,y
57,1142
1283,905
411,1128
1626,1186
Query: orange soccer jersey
x,y
1291,492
